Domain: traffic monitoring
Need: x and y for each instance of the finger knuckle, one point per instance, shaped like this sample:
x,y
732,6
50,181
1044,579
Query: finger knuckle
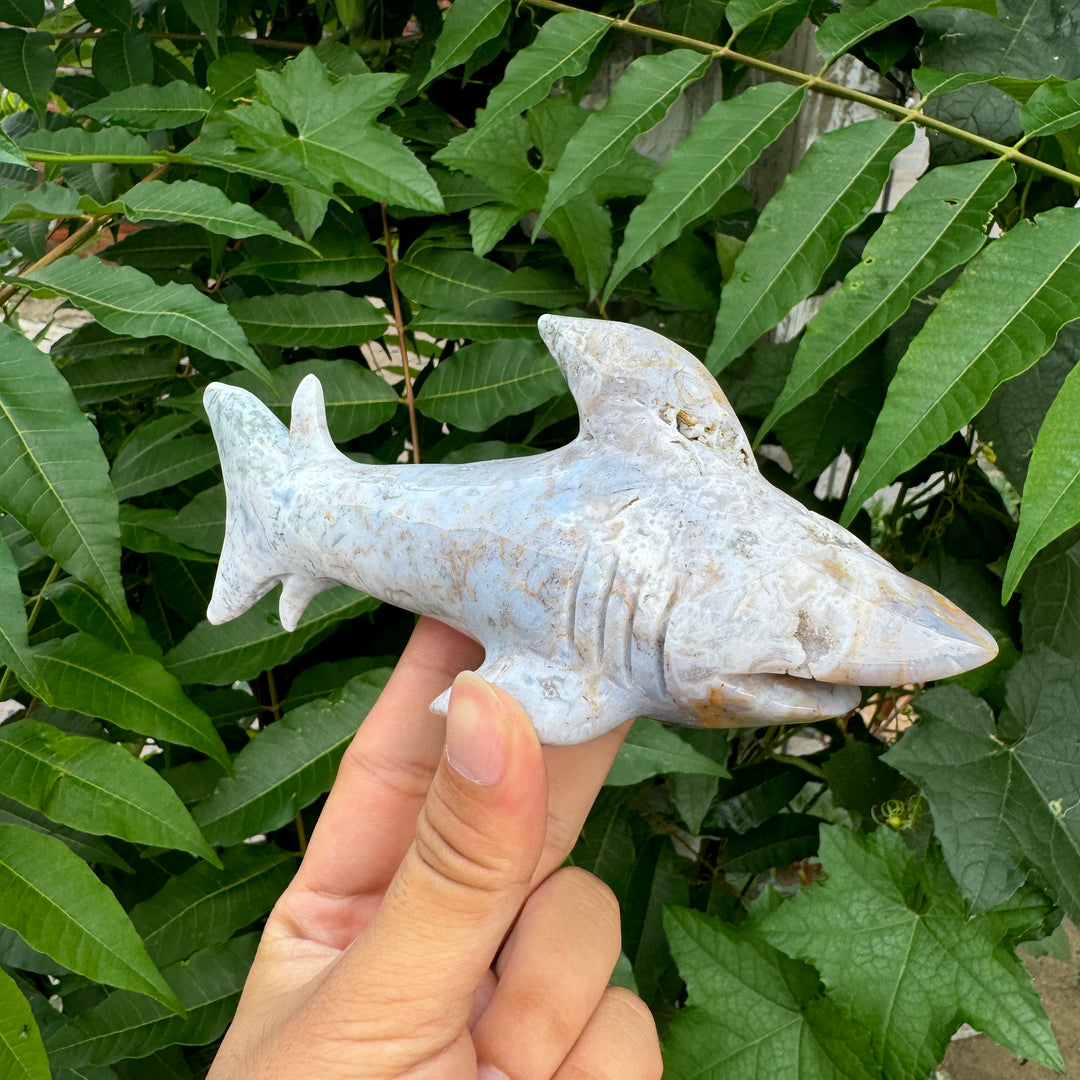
x,y
455,850
633,1020
577,890
396,775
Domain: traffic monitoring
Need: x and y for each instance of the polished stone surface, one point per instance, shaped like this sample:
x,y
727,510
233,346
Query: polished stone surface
x,y
647,568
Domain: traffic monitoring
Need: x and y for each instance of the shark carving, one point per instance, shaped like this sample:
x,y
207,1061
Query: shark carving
x,y
646,568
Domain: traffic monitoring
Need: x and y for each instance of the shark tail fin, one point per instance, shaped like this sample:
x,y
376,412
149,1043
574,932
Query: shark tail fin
x,y
256,452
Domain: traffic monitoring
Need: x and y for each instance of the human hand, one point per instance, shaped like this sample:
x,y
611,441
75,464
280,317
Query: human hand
x,y
428,932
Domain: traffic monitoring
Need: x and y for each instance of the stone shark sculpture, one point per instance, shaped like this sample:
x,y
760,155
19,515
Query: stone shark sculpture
x,y
647,568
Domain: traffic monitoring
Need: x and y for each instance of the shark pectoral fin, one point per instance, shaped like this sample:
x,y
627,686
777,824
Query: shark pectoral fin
x,y
562,709
297,591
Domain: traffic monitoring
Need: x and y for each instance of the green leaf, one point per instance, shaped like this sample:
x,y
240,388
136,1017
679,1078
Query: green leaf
x,y
357,400
1016,410
447,278
753,796
133,692
722,145
751,1011
1003,793
57,905
651,749
741,13
255,642
1000,316
658,877
151,108
152,458
582,228
205,15
194,203
638,101
700,19
839,32
22,12
1050,608
289,765
129,302
545,289
1051,501
137,534
562,48
95,786
466,26
44,202
200,525
22,1053
1024,42
164,248
83,609
54,480
1051,109
327,319
831,190
337,259
779,842
89,848
908,962
15,652
338,140
606,844
481,384
28,66
122,59
206,905
125,1026
108,14
938,225
10,154
111,142
485,322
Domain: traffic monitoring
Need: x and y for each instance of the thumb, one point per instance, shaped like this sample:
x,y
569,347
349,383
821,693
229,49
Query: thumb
x,y
460,886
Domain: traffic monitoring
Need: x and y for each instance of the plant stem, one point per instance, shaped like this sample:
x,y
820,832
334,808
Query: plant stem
x,y
163,157
271,689
800,763
824,86
410,401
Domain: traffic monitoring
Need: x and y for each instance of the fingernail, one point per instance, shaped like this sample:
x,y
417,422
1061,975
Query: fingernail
x,y
476,731
489,1072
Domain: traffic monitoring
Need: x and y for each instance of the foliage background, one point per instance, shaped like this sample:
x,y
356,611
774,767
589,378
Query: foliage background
x,y
225,186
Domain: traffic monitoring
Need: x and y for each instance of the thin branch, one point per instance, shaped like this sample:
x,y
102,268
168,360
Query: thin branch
x,y
164,35
831,89
410,401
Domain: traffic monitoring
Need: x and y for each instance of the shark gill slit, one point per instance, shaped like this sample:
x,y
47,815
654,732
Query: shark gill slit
x,y
628,637
661,641
602,608
575,589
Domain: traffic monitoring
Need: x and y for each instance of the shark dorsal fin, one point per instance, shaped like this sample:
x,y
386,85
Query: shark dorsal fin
x,y
308,430
623,376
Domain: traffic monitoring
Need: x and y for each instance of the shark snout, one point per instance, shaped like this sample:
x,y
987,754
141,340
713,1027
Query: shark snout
x,y
868,624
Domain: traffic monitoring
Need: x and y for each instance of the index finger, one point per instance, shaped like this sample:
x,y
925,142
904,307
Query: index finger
x,y
575,776
369,819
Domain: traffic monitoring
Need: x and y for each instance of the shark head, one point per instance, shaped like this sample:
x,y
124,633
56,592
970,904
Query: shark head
x,y
795,609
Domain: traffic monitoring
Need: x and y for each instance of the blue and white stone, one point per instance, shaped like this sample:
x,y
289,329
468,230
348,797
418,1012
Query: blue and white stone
x,y
647,568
